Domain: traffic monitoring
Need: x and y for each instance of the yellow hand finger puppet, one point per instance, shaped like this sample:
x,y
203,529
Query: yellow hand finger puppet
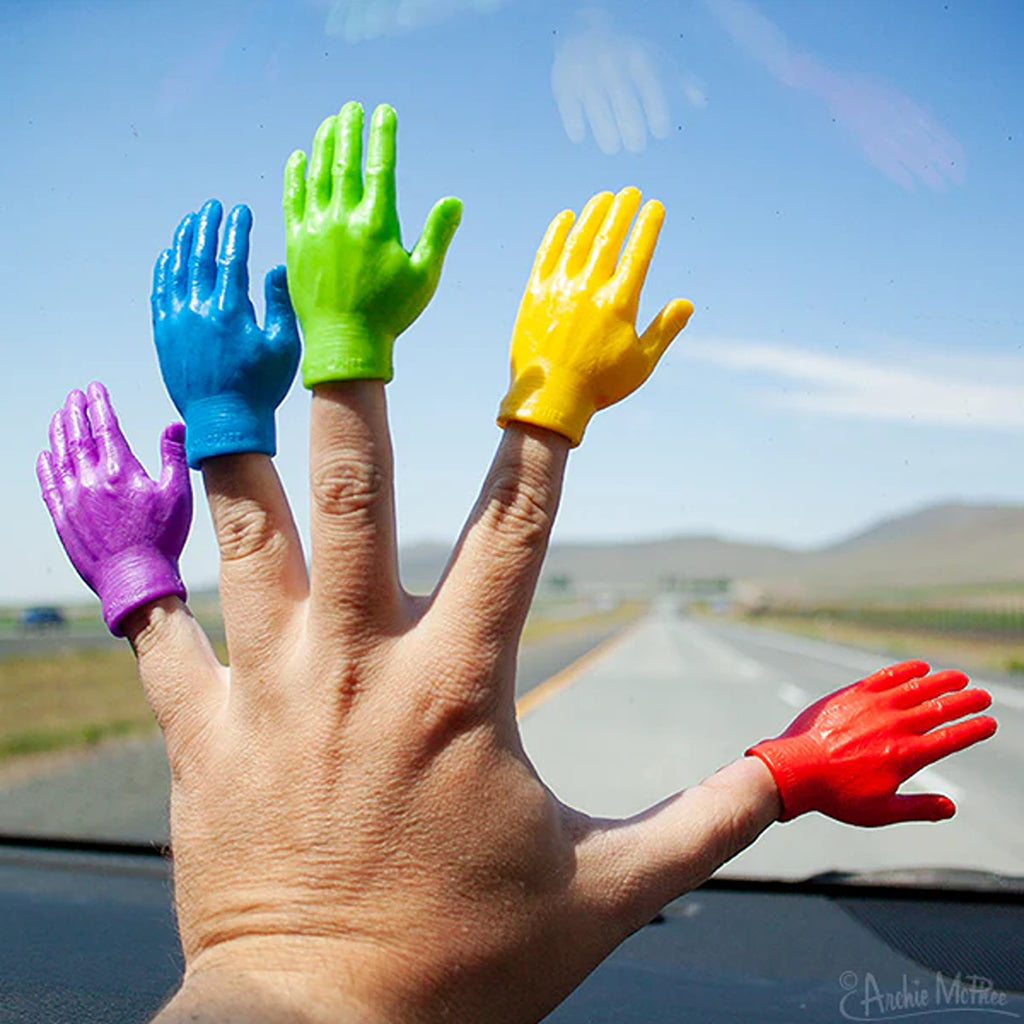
x,y
574,346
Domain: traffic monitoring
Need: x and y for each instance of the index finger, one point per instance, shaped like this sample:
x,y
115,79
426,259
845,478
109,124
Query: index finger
x,y
895,675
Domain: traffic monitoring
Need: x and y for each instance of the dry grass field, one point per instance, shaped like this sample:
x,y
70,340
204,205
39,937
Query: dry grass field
x,y
78,698
942,650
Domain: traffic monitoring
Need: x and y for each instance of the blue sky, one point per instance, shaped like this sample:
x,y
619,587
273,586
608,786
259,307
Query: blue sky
x,y
843,186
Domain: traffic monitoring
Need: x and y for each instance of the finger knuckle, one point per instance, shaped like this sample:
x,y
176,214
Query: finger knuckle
x,y
345,487
246,529
518,508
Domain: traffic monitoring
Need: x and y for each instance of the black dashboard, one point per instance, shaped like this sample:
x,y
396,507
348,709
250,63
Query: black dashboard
x,y
87,935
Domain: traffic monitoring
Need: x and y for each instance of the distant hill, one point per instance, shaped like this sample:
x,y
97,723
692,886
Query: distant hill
x,y
646,563
942,544
949,544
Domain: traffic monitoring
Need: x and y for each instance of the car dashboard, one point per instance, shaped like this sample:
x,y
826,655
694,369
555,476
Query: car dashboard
x,y
87,935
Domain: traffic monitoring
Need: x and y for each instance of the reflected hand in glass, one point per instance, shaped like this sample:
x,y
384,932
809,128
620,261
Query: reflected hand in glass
x,y
122,531
896,135
848,753
574,345
354,286
607,80
224,373
361,20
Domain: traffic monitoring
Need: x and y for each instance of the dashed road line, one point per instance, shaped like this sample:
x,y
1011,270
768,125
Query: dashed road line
x,y
792,695
721,654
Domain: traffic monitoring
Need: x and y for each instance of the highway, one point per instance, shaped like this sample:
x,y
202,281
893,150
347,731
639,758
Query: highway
x,y
614,722
119,790
673,698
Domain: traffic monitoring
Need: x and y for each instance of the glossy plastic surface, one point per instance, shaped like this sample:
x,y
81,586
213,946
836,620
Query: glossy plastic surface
x,y
225,374
848,753
574,346
354,286
122,531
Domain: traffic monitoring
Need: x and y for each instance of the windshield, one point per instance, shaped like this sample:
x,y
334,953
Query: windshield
x,y
821,476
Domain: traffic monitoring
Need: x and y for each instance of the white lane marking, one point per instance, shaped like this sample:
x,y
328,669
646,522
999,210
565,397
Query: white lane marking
x,y
792,695
846,656
929,780
723,656
865,661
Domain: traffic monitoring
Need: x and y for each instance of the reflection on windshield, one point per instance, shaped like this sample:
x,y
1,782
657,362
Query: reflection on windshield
x,y
894,133
817,480
608,81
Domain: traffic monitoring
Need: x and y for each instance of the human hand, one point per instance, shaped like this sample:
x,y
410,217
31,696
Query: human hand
x,y
358,833
574,346
354,286
225,374
848,753
122,531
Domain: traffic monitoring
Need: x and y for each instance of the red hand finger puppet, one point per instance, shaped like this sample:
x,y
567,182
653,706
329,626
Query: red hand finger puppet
x,y
848,753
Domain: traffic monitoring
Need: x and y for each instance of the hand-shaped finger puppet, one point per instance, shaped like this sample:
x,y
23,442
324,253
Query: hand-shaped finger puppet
x,y
122,531
354,286
574,346
848,753
225,374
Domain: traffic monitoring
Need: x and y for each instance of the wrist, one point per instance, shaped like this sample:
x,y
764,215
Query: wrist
x,y
347,348
795,765
258,997
135,577
298,979
227,424
554,401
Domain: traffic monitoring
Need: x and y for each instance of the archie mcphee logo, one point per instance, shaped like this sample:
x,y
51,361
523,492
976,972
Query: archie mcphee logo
x,y
866,999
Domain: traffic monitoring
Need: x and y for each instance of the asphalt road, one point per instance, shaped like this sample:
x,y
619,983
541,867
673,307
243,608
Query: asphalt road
x,y
651,711
119,791
676,698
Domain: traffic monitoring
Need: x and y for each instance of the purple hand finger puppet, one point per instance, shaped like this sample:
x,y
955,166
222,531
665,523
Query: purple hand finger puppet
x,y
122,531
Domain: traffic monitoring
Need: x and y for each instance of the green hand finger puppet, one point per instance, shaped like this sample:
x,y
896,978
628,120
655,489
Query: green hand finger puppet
x,y
353,285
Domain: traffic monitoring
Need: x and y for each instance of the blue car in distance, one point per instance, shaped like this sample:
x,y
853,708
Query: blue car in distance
x,y
42,617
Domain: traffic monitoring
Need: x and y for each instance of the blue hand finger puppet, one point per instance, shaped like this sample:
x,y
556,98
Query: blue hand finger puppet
x,y
225,374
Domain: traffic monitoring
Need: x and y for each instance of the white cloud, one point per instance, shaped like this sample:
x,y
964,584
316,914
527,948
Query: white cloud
x,y
966,393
